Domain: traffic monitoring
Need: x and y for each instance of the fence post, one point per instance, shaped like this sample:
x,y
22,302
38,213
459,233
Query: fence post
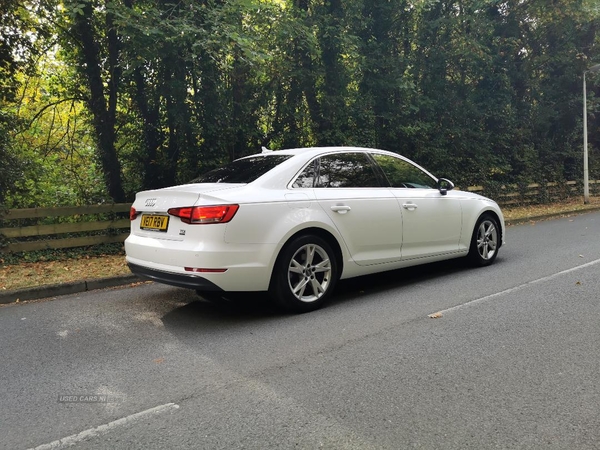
x,y
543,196
3,239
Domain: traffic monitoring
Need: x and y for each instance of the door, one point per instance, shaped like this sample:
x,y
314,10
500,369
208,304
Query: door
x,y
432,222
366,214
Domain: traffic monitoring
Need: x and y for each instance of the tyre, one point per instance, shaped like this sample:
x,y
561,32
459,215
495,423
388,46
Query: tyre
x,y
305,274
485,241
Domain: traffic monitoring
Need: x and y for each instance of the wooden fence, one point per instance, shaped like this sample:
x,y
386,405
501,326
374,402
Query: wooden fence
x,y
535,193
24,230
91,225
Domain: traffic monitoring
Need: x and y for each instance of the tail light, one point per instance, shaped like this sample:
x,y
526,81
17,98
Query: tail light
x,y
205,214
133,214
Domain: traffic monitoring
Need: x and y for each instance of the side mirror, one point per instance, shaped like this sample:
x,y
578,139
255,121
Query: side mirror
x,y
444,185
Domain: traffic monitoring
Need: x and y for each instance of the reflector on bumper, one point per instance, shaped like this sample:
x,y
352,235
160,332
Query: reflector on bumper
x,y
199,270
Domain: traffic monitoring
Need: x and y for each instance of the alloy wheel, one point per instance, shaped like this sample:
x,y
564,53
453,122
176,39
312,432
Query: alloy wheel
x,y
309,273
487,239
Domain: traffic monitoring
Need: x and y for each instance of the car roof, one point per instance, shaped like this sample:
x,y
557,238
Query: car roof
x,y
314,151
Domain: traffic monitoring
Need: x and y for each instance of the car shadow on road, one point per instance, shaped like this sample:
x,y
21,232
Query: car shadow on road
x,y
228,311
359,287
256,307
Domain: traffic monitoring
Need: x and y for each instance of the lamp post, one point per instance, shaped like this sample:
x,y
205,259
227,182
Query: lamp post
x,y
586,182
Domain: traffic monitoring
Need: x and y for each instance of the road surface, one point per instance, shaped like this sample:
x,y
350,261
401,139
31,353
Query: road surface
x,y
513,361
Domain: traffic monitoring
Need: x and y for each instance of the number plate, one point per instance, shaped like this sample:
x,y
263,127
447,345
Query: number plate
x,y
154,223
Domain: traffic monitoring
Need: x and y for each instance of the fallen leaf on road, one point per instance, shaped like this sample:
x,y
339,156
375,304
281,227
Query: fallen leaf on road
x,y
158,360
436,315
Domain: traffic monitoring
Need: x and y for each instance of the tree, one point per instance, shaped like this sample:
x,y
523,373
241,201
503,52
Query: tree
x,y
17,54
481,91
101,69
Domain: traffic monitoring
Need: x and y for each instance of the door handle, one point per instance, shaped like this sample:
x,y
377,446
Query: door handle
x,y
410,206
342,209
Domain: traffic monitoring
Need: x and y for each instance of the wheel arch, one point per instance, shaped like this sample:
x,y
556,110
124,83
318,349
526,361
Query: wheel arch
x,y
491,212
323,234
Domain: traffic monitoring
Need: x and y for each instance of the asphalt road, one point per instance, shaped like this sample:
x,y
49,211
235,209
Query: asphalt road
x,y
514,361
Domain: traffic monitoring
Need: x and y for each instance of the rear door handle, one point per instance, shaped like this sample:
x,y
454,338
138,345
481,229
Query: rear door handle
x,y
410,206
342,209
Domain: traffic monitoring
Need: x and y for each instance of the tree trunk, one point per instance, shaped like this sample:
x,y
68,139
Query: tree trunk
x,y
103,112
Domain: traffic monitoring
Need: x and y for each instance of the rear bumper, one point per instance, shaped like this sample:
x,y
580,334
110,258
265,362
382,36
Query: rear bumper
x,y
249,266
174,279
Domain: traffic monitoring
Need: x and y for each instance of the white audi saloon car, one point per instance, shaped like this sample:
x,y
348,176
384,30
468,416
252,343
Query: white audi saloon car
x,y
294,222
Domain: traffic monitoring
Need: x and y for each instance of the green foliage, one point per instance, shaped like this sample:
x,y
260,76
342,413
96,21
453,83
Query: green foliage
x,y
481,91
10,165
53,141
62,254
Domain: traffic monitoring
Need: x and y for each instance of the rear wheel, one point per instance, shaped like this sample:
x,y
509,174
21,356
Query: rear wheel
x,y
485,241
305,274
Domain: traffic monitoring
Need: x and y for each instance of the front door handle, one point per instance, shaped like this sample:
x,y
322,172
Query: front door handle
x,y
410,206
342,209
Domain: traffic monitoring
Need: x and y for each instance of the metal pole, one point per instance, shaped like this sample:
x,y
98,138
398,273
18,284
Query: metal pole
x,y
586,183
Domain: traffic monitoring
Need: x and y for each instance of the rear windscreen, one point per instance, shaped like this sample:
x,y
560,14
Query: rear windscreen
x,y
243,170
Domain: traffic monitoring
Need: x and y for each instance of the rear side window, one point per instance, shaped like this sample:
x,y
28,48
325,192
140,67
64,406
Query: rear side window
x,y
346,170
339,170
307,178
244,170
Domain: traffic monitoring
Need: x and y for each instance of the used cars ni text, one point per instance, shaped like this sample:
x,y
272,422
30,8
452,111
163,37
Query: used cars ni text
x,y
294,222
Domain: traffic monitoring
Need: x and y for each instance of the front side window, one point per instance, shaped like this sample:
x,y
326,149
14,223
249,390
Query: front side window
x,y
403,174
244,170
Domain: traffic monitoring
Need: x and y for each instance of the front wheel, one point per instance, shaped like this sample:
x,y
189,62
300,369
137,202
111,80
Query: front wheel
x,y
305,274
485,241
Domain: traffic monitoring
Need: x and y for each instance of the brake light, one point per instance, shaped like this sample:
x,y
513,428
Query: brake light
x,y
197,215
133,214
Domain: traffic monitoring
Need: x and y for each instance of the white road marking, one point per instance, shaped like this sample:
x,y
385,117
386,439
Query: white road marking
x,y
92,432
513,289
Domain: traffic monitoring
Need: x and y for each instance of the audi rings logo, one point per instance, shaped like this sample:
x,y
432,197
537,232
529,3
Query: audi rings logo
x,y
150,202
